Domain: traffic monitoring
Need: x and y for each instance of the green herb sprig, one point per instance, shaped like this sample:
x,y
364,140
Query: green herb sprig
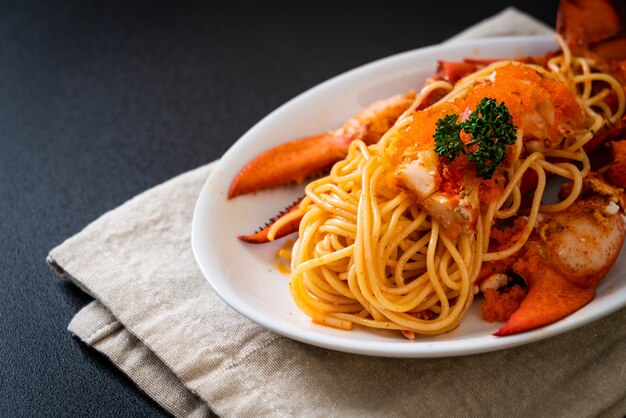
x,y
491,128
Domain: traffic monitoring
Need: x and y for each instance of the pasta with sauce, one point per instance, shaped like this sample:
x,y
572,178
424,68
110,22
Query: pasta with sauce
x,y
394,237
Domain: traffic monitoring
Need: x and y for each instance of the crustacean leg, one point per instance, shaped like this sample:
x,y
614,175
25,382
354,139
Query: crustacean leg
x,y
290,214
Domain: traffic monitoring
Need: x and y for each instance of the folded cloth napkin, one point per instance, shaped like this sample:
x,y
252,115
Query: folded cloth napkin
x,y
157,319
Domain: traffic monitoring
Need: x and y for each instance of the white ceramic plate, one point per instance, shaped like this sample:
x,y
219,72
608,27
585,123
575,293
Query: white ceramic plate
x,y
246,276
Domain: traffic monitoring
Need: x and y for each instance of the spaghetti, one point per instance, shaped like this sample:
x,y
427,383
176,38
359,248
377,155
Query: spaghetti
x,y
370,253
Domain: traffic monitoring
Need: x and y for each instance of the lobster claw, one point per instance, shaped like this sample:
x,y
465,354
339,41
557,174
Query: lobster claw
x,y
297,160
567,255
291,162
550,297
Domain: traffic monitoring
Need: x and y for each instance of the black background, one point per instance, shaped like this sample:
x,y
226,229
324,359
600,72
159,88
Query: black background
x,y
100,101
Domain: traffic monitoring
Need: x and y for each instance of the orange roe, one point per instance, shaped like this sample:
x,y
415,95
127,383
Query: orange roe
x,y
528,95
529,262
419,134
543,110
499,306
500,240
523,90
489,191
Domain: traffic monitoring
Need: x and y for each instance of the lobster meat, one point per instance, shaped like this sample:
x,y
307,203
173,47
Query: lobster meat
x,y
566,256
556,283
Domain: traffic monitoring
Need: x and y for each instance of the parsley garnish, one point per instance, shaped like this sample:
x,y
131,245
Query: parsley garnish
x,y
492,130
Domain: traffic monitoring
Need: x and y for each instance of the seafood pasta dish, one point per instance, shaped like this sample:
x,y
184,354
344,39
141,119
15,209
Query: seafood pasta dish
x,y
437,198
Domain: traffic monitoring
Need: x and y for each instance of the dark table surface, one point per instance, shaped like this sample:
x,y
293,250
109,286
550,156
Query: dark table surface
x,y
101,101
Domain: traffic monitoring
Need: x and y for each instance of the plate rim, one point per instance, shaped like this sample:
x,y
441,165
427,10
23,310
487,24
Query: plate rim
x,y
393,348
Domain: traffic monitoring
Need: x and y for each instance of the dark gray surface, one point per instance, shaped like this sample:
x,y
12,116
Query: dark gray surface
x,y
101,101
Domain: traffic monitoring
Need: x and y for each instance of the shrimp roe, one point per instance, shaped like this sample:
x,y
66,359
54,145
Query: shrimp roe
x,y
528,93
543,110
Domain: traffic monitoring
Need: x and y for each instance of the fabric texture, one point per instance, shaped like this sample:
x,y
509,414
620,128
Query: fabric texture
x,y
157,319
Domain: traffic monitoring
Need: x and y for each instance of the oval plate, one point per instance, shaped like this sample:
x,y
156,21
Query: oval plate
x,y
246,276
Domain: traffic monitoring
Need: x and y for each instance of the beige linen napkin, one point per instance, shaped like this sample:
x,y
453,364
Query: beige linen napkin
x,y
157,319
